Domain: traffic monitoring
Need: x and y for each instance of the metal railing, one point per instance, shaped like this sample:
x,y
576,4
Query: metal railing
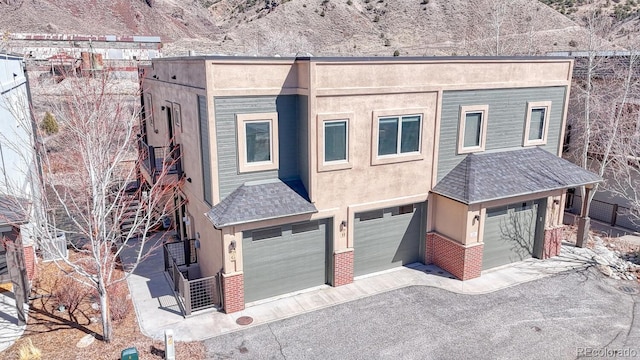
x,y
195,293
157,160
612,214
183,253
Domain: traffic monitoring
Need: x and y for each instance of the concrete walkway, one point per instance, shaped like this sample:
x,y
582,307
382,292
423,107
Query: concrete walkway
x,y
10,331
157,309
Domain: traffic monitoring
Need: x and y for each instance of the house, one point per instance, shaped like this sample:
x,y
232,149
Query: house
x,y
305,172
18,166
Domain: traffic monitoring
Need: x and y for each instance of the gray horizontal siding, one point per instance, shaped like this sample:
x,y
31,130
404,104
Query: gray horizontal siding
x,y
506,119
204,149
226,109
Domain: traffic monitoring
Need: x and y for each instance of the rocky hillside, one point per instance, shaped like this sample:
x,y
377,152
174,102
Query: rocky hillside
x,y
318,27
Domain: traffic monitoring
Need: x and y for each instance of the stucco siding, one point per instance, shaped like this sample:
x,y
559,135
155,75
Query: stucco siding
x,y
226,109
505,120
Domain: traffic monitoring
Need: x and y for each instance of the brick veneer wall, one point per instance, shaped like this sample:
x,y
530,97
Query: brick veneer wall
x,y
30,262
463,262
233,292
552,242
343,268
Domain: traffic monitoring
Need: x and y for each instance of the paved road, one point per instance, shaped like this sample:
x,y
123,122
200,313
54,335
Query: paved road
x,y
565,316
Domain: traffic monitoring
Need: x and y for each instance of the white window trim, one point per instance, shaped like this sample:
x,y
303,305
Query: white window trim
x,y
527,127
337,164
398,157
241,120
464,110
148,111
177,115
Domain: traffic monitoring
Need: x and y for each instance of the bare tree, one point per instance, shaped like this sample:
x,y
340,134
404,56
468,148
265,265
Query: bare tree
x,y
87,174
488,32
604,110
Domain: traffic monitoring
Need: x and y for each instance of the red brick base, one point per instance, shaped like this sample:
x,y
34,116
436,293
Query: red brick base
x,y
552,242
30,262
463,262
233,292
343,268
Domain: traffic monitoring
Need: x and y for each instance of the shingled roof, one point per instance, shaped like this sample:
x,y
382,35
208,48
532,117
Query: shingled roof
x,y
498,175
13,210
263,200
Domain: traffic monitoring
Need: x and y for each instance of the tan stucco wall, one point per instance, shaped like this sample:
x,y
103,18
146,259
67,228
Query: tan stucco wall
x,y
257,77
449,218
365,182
384,76
187,72
165,93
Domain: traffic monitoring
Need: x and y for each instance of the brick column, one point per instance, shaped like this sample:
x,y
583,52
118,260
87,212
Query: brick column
x,y
30,262
552,242
233,292
343,267
462,261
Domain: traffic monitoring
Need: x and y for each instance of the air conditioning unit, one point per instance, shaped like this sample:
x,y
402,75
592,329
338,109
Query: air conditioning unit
x,y
57,249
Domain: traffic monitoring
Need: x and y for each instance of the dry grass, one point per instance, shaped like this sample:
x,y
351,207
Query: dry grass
x,y
56,335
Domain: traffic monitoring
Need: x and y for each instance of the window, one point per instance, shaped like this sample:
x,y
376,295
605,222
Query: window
x,y
257,142
399,135
148,110
472,128
177,115
537,123
305,227
397,138
268,233
334,141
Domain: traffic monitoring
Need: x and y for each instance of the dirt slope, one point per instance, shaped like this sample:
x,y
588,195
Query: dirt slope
x,y
318,27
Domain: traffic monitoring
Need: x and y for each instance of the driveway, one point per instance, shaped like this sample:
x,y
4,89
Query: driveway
x,y
567,316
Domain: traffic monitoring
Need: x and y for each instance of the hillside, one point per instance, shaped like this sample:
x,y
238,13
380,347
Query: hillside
x,y
318,27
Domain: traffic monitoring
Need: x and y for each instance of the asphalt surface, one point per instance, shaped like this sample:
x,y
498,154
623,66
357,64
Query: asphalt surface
x,y
579,314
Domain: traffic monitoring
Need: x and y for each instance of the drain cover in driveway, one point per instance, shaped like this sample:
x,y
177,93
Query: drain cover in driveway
x,y
628,290
244,320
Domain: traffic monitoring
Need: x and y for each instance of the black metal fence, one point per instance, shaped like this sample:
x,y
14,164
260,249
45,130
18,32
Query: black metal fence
x,y
154,159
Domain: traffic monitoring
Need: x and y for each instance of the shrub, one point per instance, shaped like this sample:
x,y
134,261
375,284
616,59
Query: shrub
x,y
70,293
49,124
573,43
119,303
396,53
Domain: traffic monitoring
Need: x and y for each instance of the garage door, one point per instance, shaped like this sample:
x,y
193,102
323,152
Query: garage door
x,y
283,259
511,233
387,238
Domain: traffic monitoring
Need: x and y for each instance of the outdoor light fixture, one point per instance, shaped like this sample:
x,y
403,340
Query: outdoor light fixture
x,y
476,217
556,201
232,246
343,225
155,76
189,179
162,108
173,77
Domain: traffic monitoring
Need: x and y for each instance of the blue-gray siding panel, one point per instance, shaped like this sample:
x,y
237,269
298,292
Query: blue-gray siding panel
x,y
303,140
506,119
226,109
205,150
